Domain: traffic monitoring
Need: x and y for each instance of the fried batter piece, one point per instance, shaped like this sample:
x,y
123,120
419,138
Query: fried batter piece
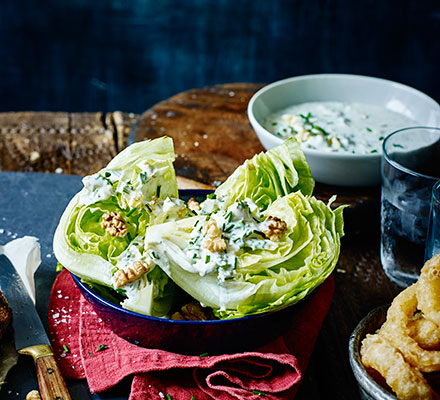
x,y
428,290
406,381
114,224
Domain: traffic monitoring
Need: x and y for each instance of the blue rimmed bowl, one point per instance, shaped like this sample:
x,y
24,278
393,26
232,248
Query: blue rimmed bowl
x,y
191,337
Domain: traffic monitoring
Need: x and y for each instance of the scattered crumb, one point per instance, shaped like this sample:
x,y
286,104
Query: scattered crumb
x,y
341,271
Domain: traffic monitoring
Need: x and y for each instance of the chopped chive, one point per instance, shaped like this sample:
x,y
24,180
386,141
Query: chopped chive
x,y
207,259
229,228
143,177
373,151
101,347
274,123
114,270
256,231
121,291
207,218
91,354
131,212
154,254
318,128
66,349
169,397
158,192
398,145
279,134
203,355
259,393
193,398
369,129
228,216
236,239
129,237
107,174
381,138
236,262
211,196
148,207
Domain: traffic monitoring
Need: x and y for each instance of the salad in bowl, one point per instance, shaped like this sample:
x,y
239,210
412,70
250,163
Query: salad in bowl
x,y
259,243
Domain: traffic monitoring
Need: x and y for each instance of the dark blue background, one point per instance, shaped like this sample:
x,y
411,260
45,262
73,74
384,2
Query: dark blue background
x,y
90,55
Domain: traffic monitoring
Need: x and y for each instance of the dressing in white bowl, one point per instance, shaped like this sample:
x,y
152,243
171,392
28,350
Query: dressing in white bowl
x,y
345,168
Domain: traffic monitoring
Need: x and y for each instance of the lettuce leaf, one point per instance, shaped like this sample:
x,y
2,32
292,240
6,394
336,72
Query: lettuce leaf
x,y
265,279
268,176
134,184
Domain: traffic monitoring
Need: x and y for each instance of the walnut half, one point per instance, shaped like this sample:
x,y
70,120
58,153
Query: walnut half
x,y
114,224
193,204
133,272
275,228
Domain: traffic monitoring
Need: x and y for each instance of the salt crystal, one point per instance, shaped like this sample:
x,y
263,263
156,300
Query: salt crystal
x,y
59,171
205,136
56,315
48,255
196,144
162,396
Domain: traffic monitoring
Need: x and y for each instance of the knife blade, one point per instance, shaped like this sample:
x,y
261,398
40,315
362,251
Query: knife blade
x,y
29,334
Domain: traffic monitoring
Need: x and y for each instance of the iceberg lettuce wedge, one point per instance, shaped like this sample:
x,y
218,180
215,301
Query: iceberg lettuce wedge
x,y
136,185
268,176
253,274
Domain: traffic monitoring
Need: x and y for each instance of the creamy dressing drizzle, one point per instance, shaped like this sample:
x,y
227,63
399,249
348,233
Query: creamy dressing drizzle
x,y
240,225
333,126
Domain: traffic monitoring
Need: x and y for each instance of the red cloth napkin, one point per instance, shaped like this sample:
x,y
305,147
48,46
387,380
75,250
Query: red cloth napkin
x,y
76,334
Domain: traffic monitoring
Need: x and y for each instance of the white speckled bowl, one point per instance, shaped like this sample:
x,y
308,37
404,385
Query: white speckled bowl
x,y
337,168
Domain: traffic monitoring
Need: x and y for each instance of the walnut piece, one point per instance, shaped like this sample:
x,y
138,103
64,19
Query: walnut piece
x,y
275,228
114,224
33,395
193,311
133,272
215,244
193,204
210,229
213,241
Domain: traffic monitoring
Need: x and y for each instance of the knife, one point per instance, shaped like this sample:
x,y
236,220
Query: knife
x,y
29,334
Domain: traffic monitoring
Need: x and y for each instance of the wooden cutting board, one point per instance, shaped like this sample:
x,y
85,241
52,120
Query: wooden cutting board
x,y
212,136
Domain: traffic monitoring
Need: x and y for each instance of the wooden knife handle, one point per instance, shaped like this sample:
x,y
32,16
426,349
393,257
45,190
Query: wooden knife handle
x,y
50,380
52,385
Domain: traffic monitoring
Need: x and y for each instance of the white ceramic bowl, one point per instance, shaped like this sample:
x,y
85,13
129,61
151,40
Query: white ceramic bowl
x,y
337,168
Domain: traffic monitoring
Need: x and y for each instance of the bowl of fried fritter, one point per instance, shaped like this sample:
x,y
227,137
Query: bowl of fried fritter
x,y
395,350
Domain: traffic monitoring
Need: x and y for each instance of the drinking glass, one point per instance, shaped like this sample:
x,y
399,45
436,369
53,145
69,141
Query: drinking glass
x,y
410,168
433,236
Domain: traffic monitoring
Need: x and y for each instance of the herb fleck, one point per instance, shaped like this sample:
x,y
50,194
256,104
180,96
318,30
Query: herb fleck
x,y
102,347
66,349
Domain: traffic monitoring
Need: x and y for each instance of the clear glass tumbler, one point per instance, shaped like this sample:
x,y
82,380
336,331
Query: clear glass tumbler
x,y
433,236
410,168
